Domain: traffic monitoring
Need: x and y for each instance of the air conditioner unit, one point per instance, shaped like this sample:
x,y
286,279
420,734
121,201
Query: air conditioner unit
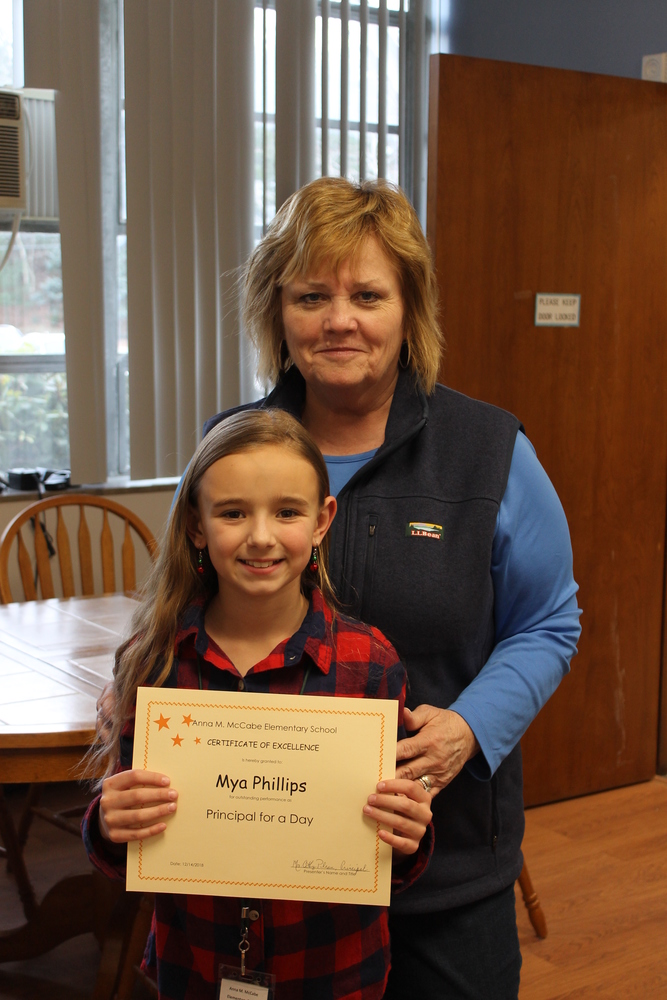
x,y
12,155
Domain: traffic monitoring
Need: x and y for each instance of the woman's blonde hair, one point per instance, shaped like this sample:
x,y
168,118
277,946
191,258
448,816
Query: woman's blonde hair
x,y
322,225
175,583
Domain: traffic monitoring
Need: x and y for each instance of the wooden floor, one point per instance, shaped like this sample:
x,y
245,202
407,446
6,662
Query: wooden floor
x,y
69,971
599,865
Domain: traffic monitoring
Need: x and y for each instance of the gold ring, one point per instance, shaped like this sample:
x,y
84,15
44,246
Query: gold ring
x,y
425,782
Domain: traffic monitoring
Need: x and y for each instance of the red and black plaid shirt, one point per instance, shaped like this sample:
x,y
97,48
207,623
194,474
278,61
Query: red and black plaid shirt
x,y
316,950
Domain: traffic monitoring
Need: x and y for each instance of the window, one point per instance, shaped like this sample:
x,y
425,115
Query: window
x,y
11,45
33,383
265,117
364,97
358,108
122,459
360,95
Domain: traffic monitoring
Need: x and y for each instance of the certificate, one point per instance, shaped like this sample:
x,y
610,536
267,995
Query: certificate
x,y
270,795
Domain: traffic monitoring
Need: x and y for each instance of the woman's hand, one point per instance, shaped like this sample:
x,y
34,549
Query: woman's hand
x,y
406,808
439,750
132,805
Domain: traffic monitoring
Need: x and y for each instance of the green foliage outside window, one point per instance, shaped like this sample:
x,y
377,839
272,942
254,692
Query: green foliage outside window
x,y
33,403
31,284
33,420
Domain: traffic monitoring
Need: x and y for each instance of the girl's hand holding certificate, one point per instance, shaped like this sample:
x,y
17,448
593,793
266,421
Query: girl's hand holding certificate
x,y
135,804
406,806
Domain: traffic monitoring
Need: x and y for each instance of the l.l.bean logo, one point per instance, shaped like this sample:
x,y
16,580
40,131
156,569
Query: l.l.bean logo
x,y
423,529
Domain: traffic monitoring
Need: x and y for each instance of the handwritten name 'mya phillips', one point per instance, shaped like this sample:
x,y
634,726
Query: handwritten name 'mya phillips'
x,y
263,784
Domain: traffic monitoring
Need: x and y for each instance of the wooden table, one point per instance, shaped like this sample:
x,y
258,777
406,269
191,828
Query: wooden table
x,y
55,658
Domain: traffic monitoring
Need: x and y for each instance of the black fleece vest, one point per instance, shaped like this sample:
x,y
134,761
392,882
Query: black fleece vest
x,y
444,462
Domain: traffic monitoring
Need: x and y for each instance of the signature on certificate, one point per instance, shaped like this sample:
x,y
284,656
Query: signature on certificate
x,y
319,865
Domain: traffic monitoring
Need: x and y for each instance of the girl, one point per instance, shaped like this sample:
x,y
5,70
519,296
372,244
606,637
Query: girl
x,y
239,599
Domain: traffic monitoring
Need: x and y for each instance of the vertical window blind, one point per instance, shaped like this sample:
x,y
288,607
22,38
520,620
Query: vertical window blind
x,y
228,108
369,67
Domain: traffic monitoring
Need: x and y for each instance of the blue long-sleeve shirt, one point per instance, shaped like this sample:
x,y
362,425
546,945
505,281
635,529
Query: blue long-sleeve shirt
x,y
536,614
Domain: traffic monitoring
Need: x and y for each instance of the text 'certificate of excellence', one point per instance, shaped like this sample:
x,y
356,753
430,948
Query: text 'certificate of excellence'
x,y
270,795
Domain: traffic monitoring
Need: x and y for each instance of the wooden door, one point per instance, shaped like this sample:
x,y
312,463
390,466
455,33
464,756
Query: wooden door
x,y
544,180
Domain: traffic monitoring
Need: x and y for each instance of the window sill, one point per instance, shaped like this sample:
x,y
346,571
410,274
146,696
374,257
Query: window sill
x,y
120,485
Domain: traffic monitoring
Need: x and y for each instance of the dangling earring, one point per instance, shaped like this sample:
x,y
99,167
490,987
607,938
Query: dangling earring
x,y
200,562
314,564
284,356
405,355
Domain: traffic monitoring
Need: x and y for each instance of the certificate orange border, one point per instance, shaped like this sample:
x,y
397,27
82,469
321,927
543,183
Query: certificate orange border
x,y
161,703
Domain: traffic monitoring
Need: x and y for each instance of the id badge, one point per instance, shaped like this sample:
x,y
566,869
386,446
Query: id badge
x,y
237,985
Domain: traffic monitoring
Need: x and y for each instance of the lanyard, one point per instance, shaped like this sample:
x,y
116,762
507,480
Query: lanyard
x,y
244,943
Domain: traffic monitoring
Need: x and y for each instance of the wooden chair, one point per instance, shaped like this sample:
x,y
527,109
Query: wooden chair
x,y
532,903
52,542
40,579
36,575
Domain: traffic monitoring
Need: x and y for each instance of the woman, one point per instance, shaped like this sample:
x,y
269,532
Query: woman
x,y
449,538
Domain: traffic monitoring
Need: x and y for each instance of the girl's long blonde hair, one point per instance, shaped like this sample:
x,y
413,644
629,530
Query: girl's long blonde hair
x,y
175,583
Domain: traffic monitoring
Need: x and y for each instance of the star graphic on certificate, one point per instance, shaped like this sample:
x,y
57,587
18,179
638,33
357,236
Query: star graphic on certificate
x,y
162,723
197,740
177,740
187,720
